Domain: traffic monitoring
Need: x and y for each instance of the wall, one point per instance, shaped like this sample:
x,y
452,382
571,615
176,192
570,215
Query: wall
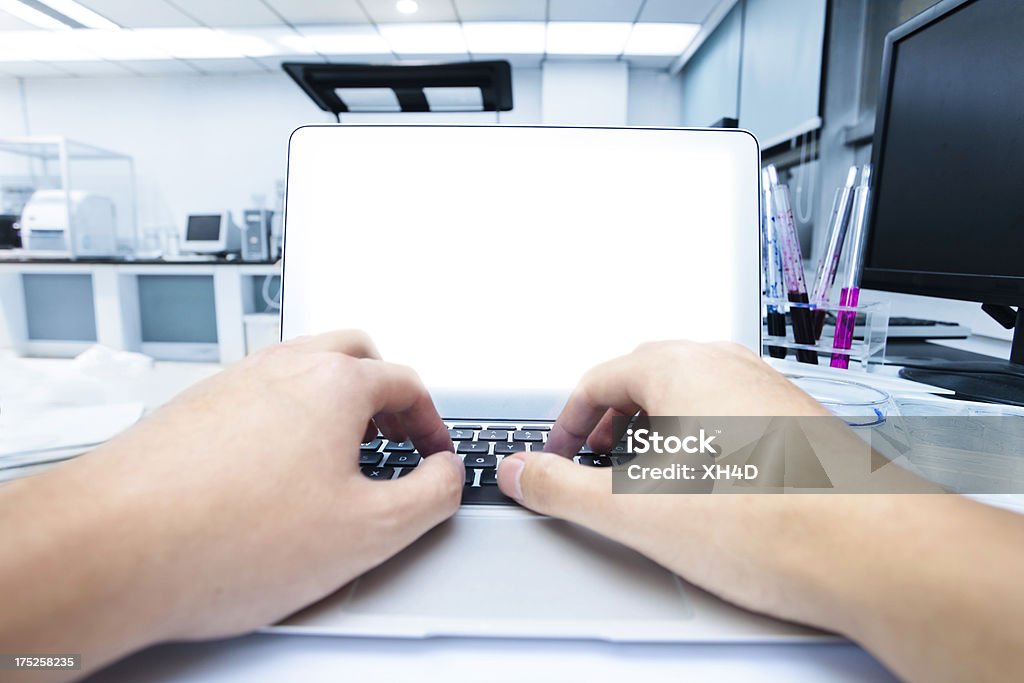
x,y
204,143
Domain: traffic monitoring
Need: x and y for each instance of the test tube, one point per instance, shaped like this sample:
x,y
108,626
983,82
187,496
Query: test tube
x,y
849,295
839,221
772,268
793,269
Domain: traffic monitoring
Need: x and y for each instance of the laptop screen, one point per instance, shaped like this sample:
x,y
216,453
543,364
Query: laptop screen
x,y
510,258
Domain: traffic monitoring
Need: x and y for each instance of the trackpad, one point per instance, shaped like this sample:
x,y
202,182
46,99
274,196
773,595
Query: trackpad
x,y
487,573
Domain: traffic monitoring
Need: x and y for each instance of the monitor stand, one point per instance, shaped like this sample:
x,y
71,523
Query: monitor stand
x,y
991,381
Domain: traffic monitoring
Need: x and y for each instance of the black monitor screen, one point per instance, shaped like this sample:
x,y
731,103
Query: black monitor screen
x,y
948,209
203,228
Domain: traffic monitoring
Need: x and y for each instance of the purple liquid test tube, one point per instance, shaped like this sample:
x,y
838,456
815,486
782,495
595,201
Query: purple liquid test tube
x,y
850,293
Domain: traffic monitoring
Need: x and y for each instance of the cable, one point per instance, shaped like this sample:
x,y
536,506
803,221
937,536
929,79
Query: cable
x,y
337,117
271,302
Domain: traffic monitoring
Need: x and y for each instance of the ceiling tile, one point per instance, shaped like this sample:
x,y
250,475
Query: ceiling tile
x,y
32,69
219,66
649,62
501,10
384,11
139,13
160,67
690,11
319,11
10,22
229,13
594,10
97,68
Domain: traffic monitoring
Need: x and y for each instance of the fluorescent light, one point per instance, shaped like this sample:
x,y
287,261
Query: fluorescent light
x,y
119,44
504,37
454,99
587,37
340,40
31,15
407,6
206,43
83,15
440,38
369,99
46,46
660,39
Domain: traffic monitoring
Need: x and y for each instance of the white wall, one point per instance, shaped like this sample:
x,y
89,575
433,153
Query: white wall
x,y
205,143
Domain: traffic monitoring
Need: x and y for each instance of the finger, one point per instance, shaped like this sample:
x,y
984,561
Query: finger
x,y
610,385
430,494
396,392
355,343
390,427
605,436
552,485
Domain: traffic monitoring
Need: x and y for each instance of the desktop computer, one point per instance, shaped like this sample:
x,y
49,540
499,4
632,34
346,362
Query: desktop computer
x,y
946,218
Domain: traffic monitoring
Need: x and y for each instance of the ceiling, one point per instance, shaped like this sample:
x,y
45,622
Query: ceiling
x,y
168,36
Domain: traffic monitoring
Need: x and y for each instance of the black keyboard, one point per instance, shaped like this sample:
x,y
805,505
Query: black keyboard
x,y
482,446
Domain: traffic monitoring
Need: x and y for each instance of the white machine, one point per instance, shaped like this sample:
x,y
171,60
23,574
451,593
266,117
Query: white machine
x,y
211,233
502,262
75,224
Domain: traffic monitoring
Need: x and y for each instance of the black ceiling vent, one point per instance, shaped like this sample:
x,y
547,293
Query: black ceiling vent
x,y
465,86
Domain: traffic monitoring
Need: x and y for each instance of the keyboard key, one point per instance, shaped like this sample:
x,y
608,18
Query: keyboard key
x,y
370,458
402,471
403,459
586,450
536,447
527,435
379,472
472,447
595,460
494,435
370,445
509,447
470,476
461,434
537,428
620,449
480,461
485,495
399,447
470,427
489,478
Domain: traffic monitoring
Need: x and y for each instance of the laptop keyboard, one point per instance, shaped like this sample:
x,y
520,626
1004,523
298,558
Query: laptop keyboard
x,y
482,447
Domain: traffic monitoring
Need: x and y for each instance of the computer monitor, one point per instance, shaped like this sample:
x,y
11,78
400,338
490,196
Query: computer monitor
x,y
946,218
211,233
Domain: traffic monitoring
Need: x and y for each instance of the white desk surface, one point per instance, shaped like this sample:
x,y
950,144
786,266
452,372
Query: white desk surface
x,y
256,658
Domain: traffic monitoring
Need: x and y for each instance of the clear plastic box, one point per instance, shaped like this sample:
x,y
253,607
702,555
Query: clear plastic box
x,y
869,336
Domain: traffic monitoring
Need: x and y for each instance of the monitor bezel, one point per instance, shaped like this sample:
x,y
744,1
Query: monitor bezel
x,y
994,289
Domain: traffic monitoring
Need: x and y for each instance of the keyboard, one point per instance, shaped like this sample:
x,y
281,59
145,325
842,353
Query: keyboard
x,y
482,447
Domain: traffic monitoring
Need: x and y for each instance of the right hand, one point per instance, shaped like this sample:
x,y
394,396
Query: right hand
x,y
729,544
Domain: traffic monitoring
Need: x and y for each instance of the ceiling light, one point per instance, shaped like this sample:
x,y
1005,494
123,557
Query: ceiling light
x,y
206,43
115,45
660,39
83,15
46,46
587,37
407,6
339,40
454,99
31,15
424,38
369,99
504,37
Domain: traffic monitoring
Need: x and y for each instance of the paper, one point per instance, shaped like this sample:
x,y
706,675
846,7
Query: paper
x,y
41,430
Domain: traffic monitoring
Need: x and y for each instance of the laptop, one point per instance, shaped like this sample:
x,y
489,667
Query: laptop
x,y
501,262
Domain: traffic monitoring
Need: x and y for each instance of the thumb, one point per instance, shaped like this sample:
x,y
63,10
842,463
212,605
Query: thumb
x,y
429,494
552,485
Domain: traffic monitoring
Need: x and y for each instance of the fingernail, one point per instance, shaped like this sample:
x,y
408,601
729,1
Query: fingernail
x,y
513,468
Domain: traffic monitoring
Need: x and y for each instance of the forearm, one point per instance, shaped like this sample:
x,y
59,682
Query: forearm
x,y
73,570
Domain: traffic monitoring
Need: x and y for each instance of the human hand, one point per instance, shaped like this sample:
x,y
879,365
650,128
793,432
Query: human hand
x,y
233,506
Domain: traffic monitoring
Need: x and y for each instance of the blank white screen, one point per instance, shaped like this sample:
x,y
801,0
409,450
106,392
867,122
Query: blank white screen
x,y
492,258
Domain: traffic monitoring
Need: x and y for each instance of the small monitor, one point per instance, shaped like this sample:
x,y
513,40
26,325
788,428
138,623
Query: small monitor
x,y
211,233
